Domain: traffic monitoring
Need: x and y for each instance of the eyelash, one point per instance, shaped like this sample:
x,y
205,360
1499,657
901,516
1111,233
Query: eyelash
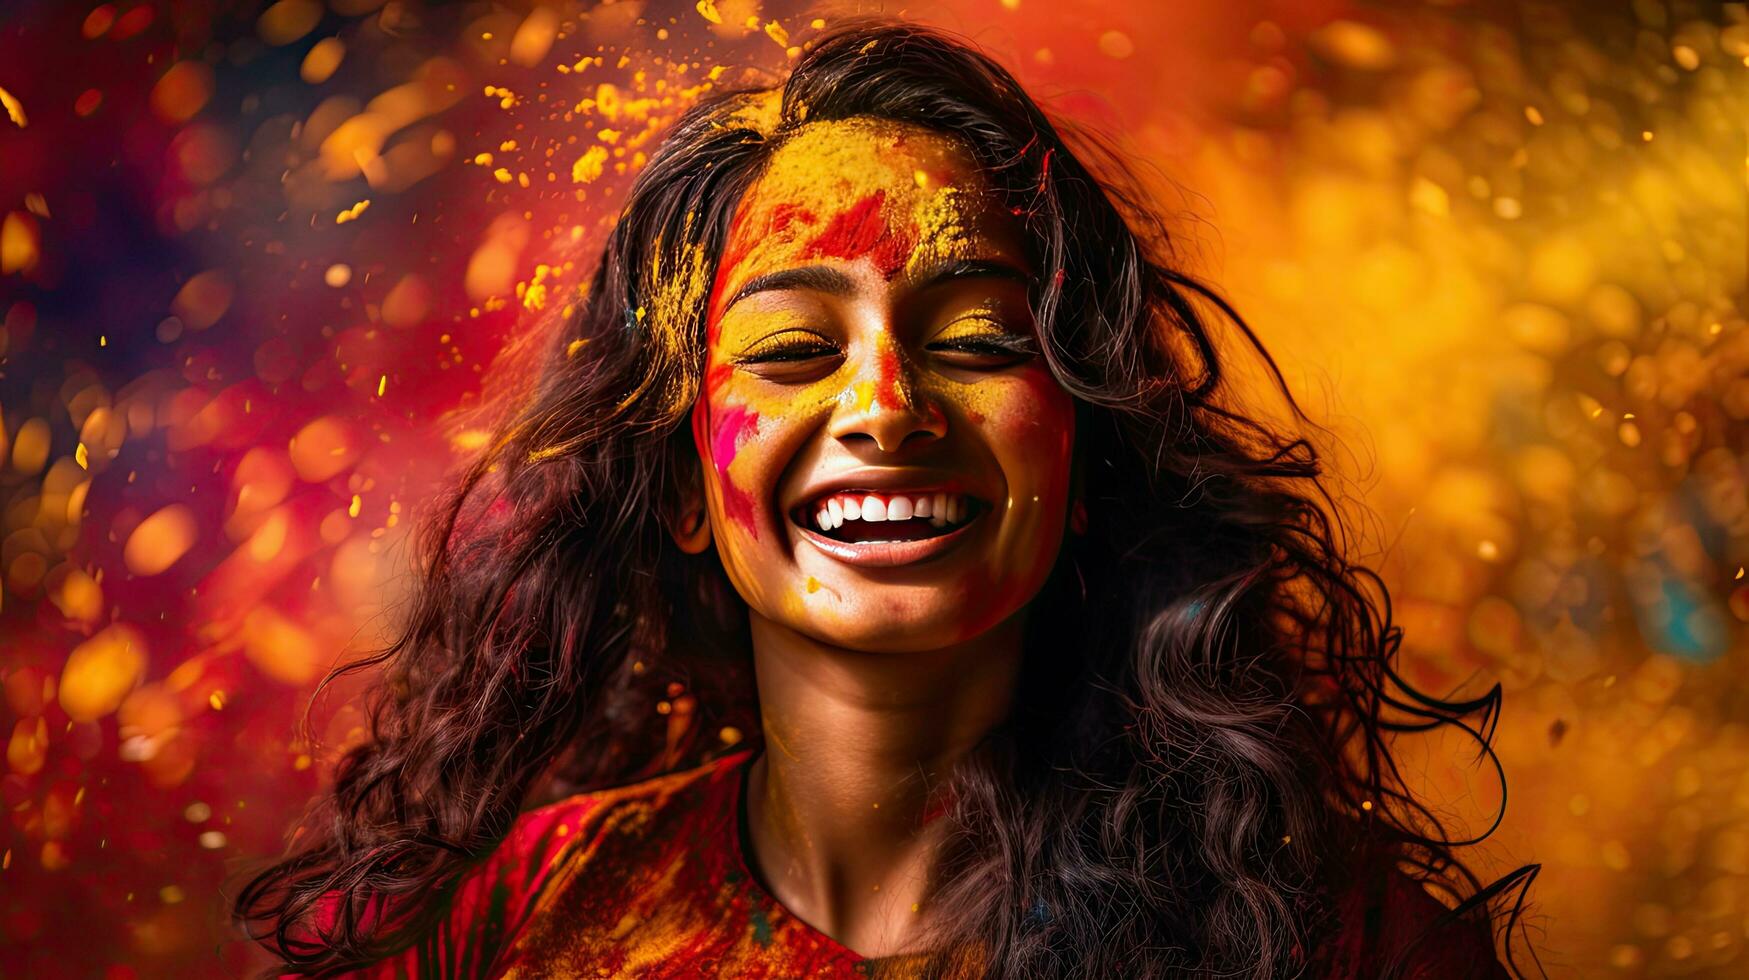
x,y
996,344
992,344
782,353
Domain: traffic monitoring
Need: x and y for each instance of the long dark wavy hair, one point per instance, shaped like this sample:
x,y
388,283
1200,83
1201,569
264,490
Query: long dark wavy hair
x,y
1199,759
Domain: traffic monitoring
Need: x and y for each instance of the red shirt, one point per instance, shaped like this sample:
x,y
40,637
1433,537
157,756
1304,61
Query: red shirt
x,y
650,881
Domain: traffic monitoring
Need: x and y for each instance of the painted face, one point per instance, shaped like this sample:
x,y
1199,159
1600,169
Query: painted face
x,y
887,458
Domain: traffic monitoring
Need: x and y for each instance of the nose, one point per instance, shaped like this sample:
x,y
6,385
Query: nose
x,y
884,405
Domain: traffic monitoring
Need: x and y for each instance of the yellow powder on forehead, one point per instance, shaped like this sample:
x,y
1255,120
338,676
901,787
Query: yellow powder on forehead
x,y
942,231
929,184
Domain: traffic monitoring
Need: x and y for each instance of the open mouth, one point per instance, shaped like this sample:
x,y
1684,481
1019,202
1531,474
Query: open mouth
x,y
856,516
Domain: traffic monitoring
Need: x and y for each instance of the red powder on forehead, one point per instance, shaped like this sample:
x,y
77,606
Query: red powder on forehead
x,y
858,231
742,238
863,230
737,250
786,214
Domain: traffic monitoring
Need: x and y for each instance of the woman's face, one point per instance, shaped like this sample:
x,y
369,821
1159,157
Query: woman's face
x,y
886,457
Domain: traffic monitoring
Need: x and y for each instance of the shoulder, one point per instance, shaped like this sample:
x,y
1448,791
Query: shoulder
x,y
497,895
541,837
1390,925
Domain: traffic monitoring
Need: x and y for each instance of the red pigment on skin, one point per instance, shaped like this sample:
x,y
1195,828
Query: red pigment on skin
x,y
736,423
980,589
737,250
786,214
888,368
1047,393
778,222
862,230
714,378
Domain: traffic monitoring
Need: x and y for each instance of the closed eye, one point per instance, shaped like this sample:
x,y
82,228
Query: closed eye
x,y
791,357
786,353
986,349
788,347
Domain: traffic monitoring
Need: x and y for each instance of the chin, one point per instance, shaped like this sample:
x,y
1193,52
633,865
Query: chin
x,y
881,631
910,623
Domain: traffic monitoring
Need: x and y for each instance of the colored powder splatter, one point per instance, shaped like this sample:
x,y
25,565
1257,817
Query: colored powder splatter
x,y
759,111
943,228
862,231
888,368
676,292
865,392
847,189
732,429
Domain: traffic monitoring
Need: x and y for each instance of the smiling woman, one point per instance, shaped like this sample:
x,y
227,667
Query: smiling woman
x,y
879,342
890,431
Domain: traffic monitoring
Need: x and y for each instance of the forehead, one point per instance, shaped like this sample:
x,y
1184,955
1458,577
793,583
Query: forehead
x,y
863,188
863,154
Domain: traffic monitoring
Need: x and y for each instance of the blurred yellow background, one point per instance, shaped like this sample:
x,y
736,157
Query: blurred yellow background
x,y
262,264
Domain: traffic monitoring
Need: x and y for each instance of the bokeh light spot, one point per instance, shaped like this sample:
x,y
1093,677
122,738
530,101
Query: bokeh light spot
x,y
101,671
161,540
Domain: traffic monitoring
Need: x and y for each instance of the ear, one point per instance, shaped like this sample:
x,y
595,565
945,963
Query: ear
x,y
692,530
688,519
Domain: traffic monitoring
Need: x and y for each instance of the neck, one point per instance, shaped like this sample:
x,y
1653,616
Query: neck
x,y
858,747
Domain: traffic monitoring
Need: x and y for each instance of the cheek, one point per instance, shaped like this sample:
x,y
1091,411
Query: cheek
x,y
720,428
749,439
735,424
1031,428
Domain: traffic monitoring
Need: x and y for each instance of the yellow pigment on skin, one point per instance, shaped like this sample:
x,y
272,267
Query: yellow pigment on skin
x,y
827,167
941,228
822,171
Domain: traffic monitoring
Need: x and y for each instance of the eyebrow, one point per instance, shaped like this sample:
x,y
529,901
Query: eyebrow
x,y
818,278
823,279
937,273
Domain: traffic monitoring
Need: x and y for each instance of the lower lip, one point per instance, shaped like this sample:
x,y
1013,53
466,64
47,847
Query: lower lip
x,y
886,554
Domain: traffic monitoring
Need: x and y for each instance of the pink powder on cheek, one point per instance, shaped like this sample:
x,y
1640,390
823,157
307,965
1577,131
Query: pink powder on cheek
x,y
731,429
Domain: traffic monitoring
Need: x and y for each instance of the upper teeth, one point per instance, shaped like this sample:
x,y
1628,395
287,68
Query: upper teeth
x,y
941,509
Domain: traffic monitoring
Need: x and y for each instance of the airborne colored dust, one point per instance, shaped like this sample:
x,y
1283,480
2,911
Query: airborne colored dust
x,y
269,271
